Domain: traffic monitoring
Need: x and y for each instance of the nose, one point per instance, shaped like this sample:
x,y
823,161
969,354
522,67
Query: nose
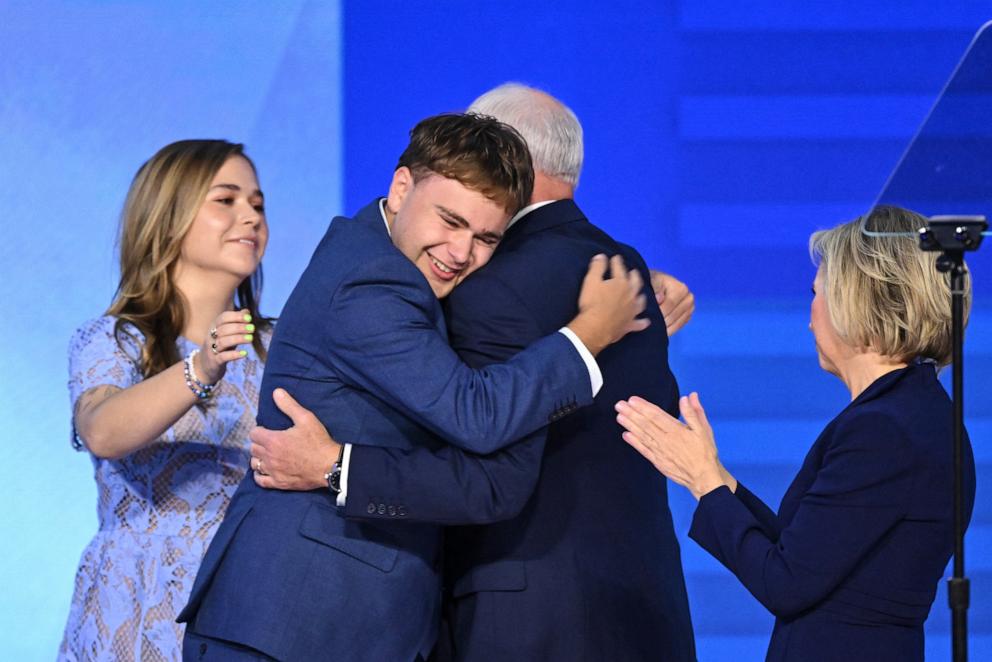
x,y
250,216
460,249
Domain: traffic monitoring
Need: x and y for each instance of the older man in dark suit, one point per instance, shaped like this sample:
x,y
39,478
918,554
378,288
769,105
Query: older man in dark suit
x,y
585,564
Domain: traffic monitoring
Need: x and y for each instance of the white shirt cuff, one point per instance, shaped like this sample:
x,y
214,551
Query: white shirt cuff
x,y
345,461
595,376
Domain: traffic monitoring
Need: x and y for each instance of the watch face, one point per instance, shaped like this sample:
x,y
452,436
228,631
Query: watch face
x,y
334,478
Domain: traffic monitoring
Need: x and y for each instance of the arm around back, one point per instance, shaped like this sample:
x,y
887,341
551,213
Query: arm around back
x,y
388,339
447,485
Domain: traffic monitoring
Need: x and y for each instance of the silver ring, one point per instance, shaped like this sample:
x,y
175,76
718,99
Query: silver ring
x,y
213,332
213,347
258,466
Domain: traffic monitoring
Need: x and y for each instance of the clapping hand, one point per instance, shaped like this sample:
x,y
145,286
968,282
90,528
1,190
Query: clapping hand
x,y
684,452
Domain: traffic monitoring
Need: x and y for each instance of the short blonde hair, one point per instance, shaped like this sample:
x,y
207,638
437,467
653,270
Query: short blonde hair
x,y
884,293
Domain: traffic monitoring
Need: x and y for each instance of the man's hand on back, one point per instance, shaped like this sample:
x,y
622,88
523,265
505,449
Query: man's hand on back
x,y
296,458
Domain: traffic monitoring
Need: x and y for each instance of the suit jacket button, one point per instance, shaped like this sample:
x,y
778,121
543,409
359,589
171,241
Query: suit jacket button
x,y
382,509
401,511
392,511
370,509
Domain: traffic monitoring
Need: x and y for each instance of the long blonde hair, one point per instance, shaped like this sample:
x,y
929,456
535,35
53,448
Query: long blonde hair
x,y
163,200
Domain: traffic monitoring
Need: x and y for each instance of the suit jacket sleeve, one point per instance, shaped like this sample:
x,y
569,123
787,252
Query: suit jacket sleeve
x,y
766,516
860,492
447,485
386,341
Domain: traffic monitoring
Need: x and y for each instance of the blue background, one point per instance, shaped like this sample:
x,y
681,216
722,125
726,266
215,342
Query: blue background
x,y
729,130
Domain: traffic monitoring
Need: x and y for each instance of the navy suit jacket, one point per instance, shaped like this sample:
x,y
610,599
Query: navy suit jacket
x,y
588,565
362,343
850,564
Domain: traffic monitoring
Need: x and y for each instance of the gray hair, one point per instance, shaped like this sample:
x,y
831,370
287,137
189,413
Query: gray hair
x,y
551,129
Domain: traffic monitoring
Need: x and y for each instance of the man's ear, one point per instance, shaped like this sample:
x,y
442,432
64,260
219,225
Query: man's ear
x,y
399,188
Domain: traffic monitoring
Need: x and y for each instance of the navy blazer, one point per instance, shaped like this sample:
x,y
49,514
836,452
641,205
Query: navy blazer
x,y
588,566
362,343
850,564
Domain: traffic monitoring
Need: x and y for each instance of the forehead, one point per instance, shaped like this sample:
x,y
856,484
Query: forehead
x,y
235,168
450,196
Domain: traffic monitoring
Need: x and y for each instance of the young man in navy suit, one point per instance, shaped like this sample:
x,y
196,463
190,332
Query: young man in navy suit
x,y
362,343
585,564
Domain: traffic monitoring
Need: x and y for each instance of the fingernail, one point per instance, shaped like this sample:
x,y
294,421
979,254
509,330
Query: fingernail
x,y
243,353
248,337
249,327
247,317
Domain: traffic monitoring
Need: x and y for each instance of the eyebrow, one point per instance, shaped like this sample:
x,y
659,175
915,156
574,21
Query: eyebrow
x,y
235,187
460,220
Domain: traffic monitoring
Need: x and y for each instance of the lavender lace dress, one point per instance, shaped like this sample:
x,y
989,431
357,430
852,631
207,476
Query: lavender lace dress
x,y
157,508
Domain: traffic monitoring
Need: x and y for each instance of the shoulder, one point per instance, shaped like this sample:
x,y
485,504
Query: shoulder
x,y
357,249
550,261
867,420
876,433
383,290
105,332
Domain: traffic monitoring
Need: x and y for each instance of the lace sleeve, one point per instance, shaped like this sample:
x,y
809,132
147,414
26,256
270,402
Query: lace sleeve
x,y
97,359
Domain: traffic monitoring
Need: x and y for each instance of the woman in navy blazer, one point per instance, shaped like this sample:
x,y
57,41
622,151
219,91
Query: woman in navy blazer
x,y
850,564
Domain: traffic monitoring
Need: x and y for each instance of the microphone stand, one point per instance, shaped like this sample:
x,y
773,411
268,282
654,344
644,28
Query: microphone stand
x,y
952,236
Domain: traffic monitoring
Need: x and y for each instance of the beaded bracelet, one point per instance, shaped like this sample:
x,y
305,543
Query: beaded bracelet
x,y
200,390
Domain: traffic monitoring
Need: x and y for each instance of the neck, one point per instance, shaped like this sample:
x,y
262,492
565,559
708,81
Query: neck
x,y
549,188
863,368
206,296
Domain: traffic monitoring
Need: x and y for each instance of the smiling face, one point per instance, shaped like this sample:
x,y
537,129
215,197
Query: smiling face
x,y
229,234
445,228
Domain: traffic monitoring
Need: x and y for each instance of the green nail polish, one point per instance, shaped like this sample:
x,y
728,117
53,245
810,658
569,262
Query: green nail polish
x,y
247,317
248,337
243,353
249,327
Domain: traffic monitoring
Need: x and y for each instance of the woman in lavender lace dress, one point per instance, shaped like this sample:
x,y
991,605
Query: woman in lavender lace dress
x,y
164,390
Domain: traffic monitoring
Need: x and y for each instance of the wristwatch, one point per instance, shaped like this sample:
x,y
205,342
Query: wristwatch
x,y
333,477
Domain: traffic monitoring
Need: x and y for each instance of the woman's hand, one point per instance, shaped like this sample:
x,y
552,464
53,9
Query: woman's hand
x,y
230,329
685,453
